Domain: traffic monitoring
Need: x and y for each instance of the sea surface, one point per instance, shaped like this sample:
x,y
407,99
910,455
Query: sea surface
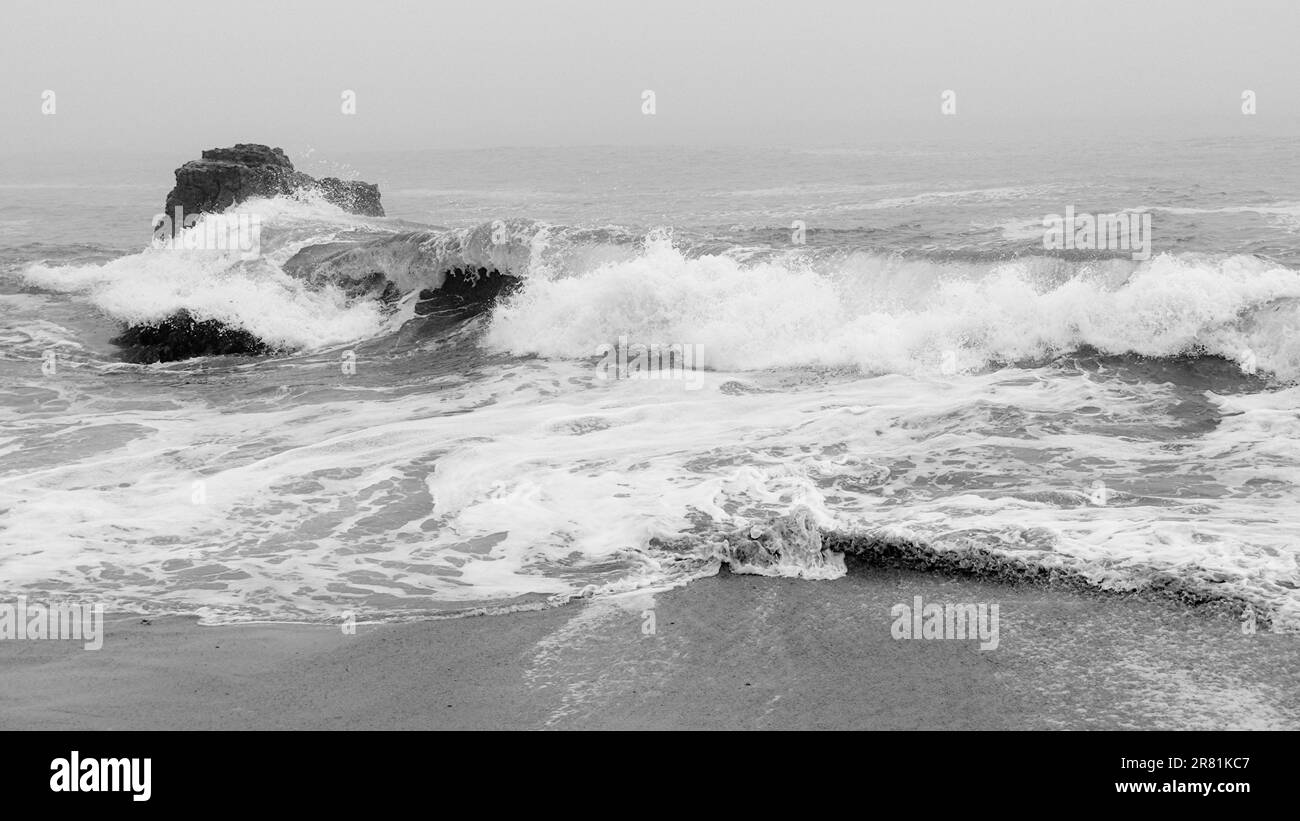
x,y
884,344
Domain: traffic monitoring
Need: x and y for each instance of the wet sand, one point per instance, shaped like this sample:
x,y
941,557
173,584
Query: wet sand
x,y
730,652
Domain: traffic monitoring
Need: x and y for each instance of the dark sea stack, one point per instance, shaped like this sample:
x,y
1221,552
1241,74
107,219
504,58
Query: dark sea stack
x,y
225,176
180,336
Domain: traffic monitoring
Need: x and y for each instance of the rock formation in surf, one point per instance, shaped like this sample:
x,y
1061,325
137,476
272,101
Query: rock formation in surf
x,y
362,266
226,176
222,178
181,336
466,292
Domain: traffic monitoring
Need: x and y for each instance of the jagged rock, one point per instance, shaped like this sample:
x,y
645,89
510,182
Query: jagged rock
x,y
180,336
353,196
466,291
225,176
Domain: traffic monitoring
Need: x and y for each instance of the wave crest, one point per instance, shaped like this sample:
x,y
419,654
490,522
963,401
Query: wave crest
x,y
912,316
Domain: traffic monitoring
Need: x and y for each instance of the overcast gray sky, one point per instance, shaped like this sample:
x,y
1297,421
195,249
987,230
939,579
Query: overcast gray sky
x,y
167,76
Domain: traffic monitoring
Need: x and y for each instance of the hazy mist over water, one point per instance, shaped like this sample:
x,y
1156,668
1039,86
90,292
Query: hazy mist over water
x,y
141,77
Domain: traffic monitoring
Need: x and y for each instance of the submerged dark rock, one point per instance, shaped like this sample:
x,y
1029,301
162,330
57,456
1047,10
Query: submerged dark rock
x,y
466,292
180,336
226,176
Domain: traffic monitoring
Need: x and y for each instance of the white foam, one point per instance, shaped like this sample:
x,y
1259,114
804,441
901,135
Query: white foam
x,y
904,316
155,284
255,295
537,477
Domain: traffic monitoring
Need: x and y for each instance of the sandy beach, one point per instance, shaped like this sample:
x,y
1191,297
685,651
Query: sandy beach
x,y
729,652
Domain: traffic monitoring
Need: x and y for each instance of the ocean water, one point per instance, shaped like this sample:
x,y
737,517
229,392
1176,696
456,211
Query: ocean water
x,y
914,366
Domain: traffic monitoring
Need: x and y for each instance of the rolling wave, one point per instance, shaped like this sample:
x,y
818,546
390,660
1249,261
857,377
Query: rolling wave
x,y
326,278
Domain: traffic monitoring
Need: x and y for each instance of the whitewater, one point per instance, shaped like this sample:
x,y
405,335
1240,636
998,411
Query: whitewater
x,y
919,371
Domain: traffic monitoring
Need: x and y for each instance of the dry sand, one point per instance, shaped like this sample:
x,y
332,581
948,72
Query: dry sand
x,y
740,652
